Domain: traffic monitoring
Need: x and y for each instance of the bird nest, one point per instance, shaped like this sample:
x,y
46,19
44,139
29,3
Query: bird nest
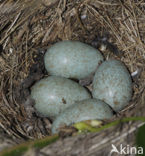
x,y
28,28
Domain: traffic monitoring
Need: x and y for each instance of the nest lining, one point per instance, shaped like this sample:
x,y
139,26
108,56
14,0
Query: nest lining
x,y
27,29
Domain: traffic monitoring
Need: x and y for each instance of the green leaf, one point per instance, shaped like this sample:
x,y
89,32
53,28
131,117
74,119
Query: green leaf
x,y
140,138
18,150
22,148
84,127
81,126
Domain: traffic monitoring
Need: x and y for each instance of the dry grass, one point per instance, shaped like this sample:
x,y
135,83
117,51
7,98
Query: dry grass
x,y
26,26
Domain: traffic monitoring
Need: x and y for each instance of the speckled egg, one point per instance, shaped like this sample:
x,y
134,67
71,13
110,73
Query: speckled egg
x,y
72,59
88,109
112,83
54,94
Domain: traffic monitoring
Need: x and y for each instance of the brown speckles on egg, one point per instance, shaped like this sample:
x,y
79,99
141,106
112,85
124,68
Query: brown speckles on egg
x,y
54,94
89,109
72,59
116,102
112,84
40,85
63,101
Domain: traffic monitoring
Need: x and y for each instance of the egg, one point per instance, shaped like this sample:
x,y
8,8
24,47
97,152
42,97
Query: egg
x,y
54,94
72,59
88,109
112,83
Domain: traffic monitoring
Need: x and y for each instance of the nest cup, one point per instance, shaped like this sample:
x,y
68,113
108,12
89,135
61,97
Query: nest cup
x,y
29,28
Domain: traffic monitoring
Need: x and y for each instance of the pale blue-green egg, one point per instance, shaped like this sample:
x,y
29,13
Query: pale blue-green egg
x,y
88,109
112,83
72,59
54,94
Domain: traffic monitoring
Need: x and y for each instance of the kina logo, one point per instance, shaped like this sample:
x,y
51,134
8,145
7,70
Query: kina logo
x,y
114,149
126,150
